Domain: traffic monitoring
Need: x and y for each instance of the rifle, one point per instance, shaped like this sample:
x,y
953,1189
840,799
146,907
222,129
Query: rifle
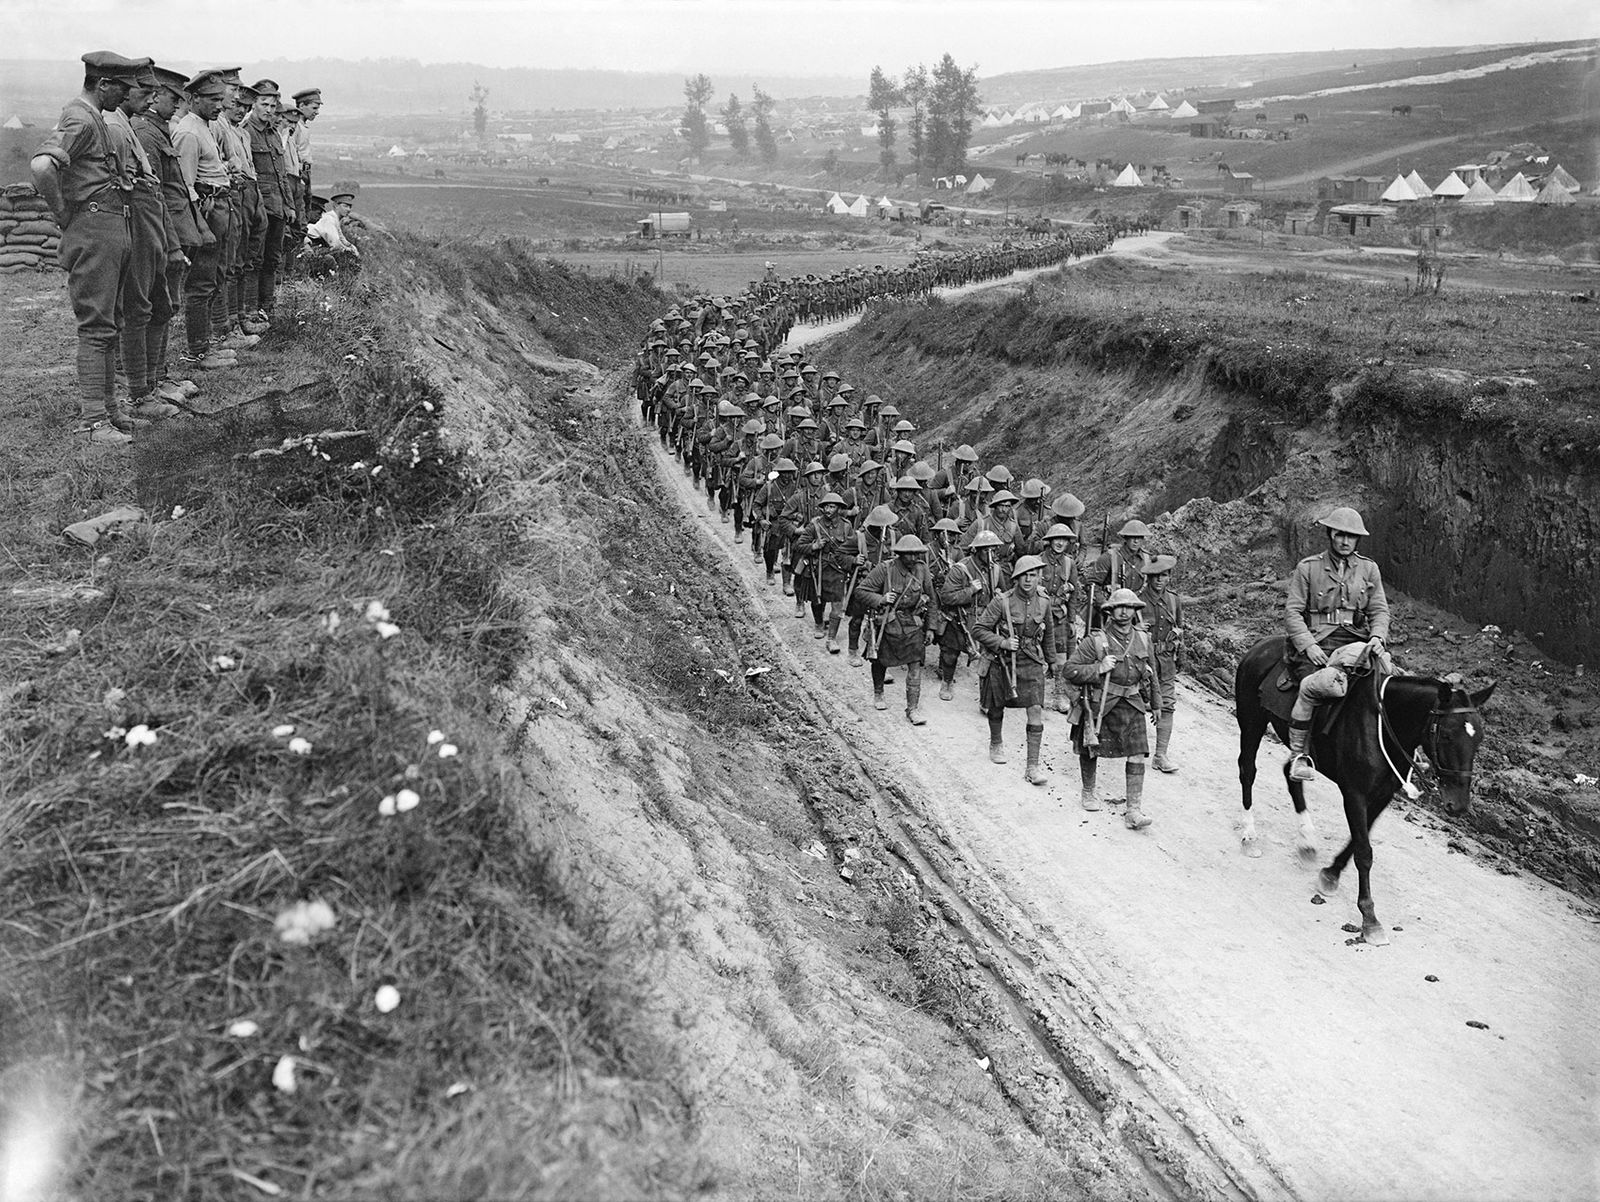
x,y
1011,633
855,573
1091,733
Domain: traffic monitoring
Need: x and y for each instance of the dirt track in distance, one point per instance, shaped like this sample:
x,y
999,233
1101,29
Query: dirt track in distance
x,y
1311,1064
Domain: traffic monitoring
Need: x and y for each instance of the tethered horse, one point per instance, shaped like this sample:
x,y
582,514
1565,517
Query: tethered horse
x,y
1368,749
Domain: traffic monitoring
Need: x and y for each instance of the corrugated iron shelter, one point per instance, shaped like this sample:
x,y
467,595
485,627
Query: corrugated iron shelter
x,y
1189,217
1301,222
1356,220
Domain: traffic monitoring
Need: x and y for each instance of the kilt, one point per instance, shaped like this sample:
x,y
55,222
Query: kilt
x,y
833,584
902,642
1124,731
996,694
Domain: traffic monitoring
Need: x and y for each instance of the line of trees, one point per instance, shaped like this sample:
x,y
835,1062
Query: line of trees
x,y
943,106
742,132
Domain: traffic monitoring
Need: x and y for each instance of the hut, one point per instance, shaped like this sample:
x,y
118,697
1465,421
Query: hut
x,y
1189,216
1301,222
1240,213
1357,220
1238,183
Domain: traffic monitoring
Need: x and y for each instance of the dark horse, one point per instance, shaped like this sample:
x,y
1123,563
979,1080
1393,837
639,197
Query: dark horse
x,y
1367,750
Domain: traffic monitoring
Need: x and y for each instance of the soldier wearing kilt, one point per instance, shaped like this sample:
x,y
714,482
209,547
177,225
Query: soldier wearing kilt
x,y
873,542
965,590
802,505
1163,618
900,593
1117,666
1062,579
752,480
828,545
1018,631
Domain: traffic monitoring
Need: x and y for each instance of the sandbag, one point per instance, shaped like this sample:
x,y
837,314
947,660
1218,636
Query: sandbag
x,y
34,225
18,258
25,239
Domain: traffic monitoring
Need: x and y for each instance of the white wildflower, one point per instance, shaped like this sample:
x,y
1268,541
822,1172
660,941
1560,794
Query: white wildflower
x,y
140,736
243,1029
283,1075
224,663
303,921
449,750
406,799
387,806
376,611
116,732
435,736
386,999
282,732
386,630
178,511
331,621
300,746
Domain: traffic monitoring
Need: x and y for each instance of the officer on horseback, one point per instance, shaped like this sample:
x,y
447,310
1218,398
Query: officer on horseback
x,y
1334,615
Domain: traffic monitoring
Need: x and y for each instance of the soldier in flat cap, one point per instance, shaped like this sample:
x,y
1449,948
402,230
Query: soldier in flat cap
x,y
205,174
277,198
307,104
153,129
86,176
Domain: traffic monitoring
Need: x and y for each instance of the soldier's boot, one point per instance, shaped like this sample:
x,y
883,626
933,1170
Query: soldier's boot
x,y
878,702
947,686
1062,699
788,581
1301,767
800,612
1034,773
1087,770
914,695
997,743
1162,762
833,635
1135,819
855,651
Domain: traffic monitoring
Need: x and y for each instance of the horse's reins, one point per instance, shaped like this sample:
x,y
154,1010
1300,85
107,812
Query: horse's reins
x,y
1430,737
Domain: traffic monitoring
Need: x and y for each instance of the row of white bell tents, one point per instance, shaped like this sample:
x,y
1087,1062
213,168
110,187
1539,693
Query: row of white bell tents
x,y
1559,188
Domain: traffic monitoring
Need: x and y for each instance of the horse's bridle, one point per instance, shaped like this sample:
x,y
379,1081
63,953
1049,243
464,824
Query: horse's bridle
x,y
1429,744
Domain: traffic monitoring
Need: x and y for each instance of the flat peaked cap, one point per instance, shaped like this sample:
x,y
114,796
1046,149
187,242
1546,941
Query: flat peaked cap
x,y
342,195
248,93
107,64
206,83
225,74
305,94
265,87
173,81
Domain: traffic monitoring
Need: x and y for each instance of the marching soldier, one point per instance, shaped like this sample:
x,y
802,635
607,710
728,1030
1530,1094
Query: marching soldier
x,y
752,479
828,545
911,517
1117,667
1018,632
1030,516
949,486
1117,567
873,547
965,591
999,522
1061,581
900,594
1163,618
798,511
871,490
839,481
772,499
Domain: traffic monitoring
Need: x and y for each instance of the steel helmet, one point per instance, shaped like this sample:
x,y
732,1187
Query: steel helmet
x,y
831,498
753,426
769,442
948,524
855,423
1028,563
904,427
830,374
728,409
1344,519
785,464
1060,530
882,516
1004,497
1067,506
984,538
922,471
1154,565
838,463
797,411
1134,528
965,454
888,411
998,474
808,370
906,482
869,465
1034,488
979,484
770,400
807,423
846,389
908,542
904,448
1123,596
872,399
837,401
815,469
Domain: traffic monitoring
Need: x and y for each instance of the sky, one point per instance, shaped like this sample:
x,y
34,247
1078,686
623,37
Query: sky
x,y
791,37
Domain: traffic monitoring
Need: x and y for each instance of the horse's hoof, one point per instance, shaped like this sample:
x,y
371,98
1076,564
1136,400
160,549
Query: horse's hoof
x,y
1374,934
1308,855
1252,848
1327,883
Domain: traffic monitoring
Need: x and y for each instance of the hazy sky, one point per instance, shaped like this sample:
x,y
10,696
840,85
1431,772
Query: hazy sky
x,y
794,37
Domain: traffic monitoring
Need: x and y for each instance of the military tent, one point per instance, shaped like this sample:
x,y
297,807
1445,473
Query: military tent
x,y
1128,179
836,205
978,184
1121,105
1185,110
857,207
990,121
1398,191
870,131
1067,112
14,122
1517,190
1419,186
1479,194
396,152
1450,188
1158,105
1562,178
1553,194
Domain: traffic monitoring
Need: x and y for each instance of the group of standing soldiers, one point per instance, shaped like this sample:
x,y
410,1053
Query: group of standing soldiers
x,y
897,551
174,194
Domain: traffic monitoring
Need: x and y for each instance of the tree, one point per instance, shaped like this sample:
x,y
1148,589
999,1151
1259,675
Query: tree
x,y
914,90
761,106
952,104
696,130
738,135
882,95
480,109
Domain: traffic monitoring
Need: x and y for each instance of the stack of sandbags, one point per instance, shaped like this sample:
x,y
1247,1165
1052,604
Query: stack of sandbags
x,y
29,236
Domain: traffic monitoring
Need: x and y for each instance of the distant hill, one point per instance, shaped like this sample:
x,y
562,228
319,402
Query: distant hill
x,y
36,89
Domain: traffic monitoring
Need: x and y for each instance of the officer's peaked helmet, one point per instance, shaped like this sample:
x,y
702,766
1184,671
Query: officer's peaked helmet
x,y
1345,520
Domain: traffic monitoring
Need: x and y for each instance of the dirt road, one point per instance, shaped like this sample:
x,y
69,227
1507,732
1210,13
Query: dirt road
x,y
1223,1003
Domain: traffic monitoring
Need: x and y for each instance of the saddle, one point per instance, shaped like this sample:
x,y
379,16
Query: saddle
x,y
1280,687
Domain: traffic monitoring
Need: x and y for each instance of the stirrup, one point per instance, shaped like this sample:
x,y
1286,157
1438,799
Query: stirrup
x,y
1302,767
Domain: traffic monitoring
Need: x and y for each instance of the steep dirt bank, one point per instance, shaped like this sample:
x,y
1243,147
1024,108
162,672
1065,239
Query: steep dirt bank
x,y
1478,523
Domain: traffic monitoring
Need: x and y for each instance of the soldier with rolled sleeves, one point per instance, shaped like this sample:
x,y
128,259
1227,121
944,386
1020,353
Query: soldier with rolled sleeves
x,y
144,284
899,595
1018,632
1335,615
277,199
1062,583
1116,665
307,104
205,173
1117,568
1164,619
231,329
828,545
85,176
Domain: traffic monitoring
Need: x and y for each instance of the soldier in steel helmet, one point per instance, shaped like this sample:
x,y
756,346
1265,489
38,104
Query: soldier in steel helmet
x,y
827,544
874,546
898,596
1116,666
1062,581
839,481
752,479
798,511
1164,619
965,592
1018,631
1335,615
771,500
1117,568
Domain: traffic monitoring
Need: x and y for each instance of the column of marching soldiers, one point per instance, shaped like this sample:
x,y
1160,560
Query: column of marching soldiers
x,y
891,551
